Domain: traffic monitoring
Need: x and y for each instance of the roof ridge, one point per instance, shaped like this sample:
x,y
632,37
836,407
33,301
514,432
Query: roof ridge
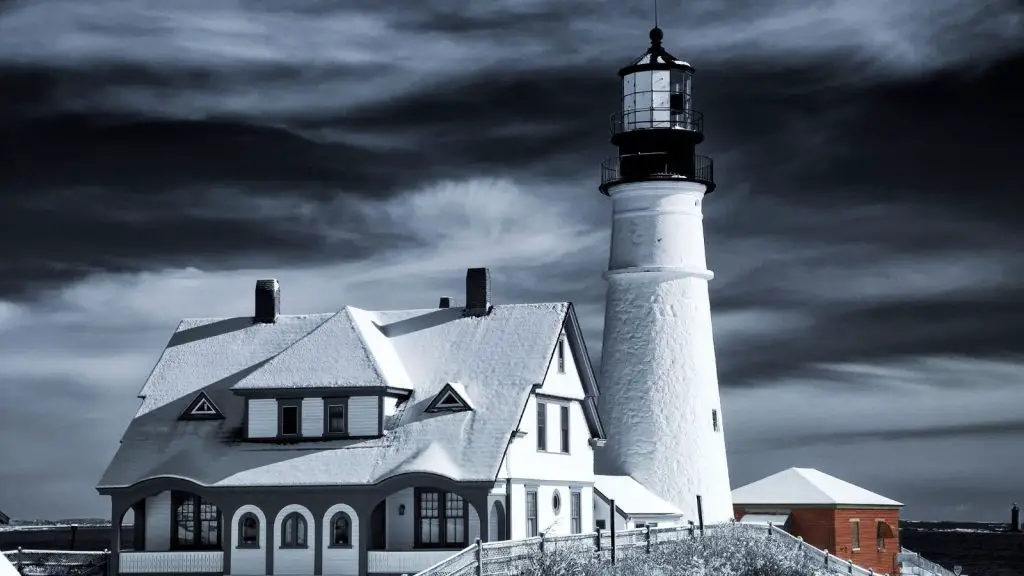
x,y
813,484
367,349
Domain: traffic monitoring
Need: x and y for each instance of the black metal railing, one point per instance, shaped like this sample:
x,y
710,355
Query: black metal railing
x,y
657,166
656,117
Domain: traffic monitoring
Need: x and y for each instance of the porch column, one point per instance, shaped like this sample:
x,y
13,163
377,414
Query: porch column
x,y
479,500
118,508
364,513
227,529
139,528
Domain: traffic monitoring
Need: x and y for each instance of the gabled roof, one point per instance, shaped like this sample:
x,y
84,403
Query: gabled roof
x,y
631,497
807,486
497,359
332,355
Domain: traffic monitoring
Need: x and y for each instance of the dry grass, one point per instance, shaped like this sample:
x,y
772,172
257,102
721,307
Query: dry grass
x,y
725,551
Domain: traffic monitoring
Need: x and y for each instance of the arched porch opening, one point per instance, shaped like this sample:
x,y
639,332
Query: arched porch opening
x,y
173,531
418,524
497,522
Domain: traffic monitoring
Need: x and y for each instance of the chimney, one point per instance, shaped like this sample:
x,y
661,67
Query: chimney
x,y
478,292
268,301
447,302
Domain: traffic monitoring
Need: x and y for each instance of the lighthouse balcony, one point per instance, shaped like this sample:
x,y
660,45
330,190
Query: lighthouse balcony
x,y
657,166
656,117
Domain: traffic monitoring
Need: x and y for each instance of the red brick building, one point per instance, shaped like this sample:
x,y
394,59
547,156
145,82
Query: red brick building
x,y
850,522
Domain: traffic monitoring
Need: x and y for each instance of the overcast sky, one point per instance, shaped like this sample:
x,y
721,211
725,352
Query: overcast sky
x,y
157,157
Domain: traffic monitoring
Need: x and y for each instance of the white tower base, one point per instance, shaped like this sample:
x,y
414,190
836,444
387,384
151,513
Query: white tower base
x,y
659,380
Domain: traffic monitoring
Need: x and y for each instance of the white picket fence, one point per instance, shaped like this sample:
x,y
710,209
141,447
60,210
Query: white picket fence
x,y
509,557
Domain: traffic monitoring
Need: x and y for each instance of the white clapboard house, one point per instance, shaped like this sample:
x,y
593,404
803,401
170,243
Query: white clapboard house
x,y
363,442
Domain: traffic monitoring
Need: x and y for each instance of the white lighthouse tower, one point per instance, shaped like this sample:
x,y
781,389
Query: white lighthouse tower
x,y
659,395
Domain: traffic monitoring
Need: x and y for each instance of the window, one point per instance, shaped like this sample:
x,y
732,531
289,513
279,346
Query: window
x,y
341,531
855,534
880,534
640,525
531,514
561,355
565,429
714,420
293,531
600,524
441,520
248,531
336,420
575,506
196,523
556,503
288,417
542,426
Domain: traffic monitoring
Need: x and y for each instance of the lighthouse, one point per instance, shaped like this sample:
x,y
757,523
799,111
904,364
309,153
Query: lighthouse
x,y
659,396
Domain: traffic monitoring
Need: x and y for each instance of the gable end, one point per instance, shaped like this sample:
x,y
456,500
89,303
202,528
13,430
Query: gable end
x,y
574,336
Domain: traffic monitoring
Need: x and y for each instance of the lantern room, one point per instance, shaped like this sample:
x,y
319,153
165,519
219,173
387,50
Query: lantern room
x,y
656,92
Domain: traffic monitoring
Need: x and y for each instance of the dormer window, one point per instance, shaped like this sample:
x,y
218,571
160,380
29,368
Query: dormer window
x,y
201,408
451,398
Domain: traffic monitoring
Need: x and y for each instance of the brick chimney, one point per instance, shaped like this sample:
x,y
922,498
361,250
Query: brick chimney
x,y
268,301
447,302
478,292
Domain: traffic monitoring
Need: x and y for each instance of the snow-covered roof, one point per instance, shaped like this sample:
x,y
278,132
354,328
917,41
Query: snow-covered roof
x,y
806,486
496,359
631,497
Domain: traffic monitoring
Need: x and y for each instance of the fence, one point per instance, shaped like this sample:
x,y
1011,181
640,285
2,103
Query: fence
x,y
58,562
61,536
913,564
511,557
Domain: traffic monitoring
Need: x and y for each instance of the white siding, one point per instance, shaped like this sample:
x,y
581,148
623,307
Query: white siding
x,y
400,528
294,561
312,417
158,522
262,418
340,561
363,415
390,405
248,561
524,461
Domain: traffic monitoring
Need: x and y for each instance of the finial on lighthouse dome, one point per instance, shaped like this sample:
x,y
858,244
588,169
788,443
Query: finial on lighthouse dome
x,y
656,36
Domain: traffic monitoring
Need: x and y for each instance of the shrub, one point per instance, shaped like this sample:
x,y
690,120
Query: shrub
x,y
729,550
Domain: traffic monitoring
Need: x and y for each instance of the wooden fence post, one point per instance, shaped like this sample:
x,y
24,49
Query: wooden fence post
x,y
542,543
611,508
647,538
826,557
74,533
691,529
597,541
17,560
849,568
769,528
479,558
106,562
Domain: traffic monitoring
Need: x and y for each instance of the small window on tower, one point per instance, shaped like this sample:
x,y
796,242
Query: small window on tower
x,y
714,419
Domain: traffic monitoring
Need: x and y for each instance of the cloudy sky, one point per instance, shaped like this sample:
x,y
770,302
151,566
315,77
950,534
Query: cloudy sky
x,y
157,157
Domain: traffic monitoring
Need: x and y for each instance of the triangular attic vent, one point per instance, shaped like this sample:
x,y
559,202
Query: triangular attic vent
x,y
451,398
201,408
